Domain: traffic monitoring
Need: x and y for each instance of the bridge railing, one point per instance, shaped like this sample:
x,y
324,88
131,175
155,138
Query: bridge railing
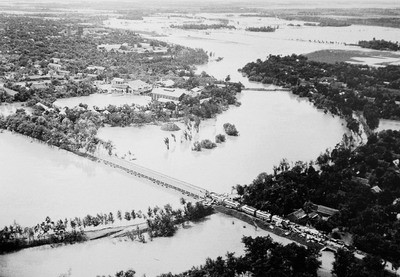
x,y
154,175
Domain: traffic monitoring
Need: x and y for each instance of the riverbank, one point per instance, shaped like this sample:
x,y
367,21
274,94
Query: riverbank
x,y
257,223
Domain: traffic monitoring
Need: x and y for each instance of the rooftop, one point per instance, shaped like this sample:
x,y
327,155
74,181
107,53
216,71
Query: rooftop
x,y
173,92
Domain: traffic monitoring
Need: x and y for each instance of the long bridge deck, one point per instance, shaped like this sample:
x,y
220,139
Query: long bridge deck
x,y
154,176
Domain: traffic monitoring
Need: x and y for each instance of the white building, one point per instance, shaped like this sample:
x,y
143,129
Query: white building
x,y
171,94
139,87
135,87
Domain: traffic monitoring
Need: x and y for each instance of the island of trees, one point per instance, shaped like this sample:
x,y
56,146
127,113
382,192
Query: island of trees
x,y
340,88
379,44
266,29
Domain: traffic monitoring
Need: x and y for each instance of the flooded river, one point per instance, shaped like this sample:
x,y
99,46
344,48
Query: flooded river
x,y
37,180
272,126
213,237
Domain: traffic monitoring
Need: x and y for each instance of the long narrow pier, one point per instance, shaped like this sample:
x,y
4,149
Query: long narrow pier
x,y
154,176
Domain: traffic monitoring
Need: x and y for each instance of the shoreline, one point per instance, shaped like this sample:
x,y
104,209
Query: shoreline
x,y
267,227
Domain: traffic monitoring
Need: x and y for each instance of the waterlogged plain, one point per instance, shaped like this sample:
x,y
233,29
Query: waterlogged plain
x,y
212,237
271,125
38,181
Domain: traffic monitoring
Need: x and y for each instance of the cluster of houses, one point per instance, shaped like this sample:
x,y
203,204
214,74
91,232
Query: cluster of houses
x,y
294,222
162,91
138,48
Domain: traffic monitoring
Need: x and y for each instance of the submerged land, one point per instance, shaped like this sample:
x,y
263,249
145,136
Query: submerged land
x,y
346,199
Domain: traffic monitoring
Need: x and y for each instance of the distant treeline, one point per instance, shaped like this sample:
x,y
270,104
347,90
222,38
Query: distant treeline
x,y
379,44
265,29
339,88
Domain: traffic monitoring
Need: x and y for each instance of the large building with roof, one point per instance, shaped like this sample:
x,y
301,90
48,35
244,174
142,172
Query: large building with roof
x,y
165,94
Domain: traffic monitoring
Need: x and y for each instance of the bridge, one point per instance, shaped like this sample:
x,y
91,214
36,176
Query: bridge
x,y
154,176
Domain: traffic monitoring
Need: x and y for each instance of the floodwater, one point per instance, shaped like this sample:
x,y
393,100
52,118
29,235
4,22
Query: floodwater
x,y
37,180
10,108
272,126
213,237
239,47
103,100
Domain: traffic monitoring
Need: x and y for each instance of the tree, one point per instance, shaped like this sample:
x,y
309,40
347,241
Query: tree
x,y
371,114
119,215
111,217
344,260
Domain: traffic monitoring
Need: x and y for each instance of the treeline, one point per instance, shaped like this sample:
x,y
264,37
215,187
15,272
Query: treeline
x,y
212,100
346,265
362,183
14,237
263,257
202,26
379,44
52,91
74,130
266,29
322,21
339,88
162,222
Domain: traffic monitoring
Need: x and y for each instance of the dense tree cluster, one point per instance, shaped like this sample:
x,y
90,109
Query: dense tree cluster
x,y
322,21
263,257
73,130
362,183
162,222
14,237
379,44
347,265
212,100
230,129
339,88
264,29
51,92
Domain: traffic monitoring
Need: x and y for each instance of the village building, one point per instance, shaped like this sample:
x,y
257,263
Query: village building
x,y
298,216
135,87
54,66
63,73
97,69
196,91
40,85
166,83
139,87
118,84
167,94
37,77
8,91
324,211
376,189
